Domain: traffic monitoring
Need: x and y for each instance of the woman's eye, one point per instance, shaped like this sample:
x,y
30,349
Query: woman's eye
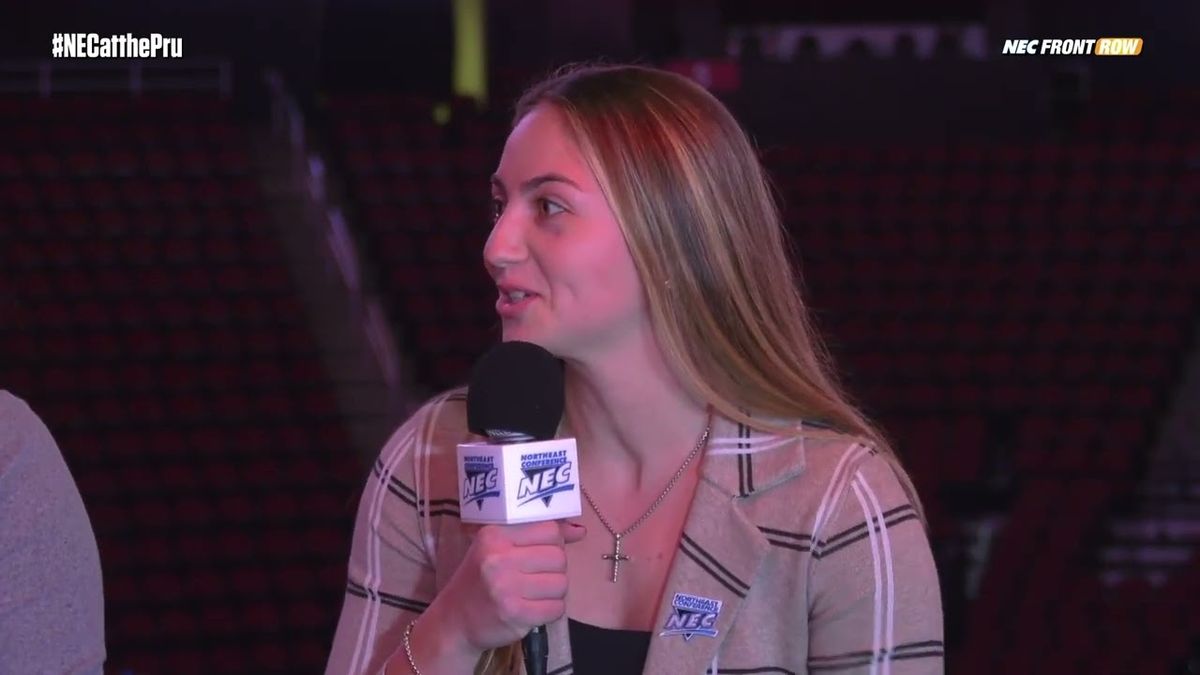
x,y
497,209
547,207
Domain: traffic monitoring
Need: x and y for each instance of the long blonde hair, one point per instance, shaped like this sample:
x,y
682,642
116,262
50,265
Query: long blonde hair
x,y
699,216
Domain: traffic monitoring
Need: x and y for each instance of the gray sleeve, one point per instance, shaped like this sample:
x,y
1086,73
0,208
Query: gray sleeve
x,y
51,596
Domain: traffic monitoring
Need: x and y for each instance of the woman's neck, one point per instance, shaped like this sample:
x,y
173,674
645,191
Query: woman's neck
x,y
632,419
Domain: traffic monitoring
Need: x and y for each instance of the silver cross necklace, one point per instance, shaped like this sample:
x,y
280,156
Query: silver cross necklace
x,y
616,557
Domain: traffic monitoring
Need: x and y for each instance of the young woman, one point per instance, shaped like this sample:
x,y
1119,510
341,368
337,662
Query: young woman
x,y
764,525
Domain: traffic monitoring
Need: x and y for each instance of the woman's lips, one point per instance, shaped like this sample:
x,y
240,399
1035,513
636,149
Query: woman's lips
x,y
509,308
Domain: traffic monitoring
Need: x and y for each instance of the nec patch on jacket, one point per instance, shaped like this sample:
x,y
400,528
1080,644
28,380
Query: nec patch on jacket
x,y
692,615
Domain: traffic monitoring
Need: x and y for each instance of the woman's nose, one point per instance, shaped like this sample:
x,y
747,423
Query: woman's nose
x,y
505,245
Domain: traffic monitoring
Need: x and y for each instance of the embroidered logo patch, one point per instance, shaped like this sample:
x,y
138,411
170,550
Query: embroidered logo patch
x,y
693,616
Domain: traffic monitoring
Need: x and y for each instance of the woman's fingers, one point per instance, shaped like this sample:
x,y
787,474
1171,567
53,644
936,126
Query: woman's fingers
x,y
539,559
544,587
572,532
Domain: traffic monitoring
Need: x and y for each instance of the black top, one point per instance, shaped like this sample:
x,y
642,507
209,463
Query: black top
x,y
607,651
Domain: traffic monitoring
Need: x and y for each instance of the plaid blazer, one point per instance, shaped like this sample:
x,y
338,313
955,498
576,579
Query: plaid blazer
x,y
799,554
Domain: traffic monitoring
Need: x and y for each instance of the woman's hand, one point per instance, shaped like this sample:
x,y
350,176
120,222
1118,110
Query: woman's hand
x,y
513,578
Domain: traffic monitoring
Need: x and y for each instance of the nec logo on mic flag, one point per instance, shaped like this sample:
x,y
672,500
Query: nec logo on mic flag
x,y
546,474
482,481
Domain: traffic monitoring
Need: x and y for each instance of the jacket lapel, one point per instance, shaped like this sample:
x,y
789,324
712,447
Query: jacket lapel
x,y
719,553
559,642
721,549
717,561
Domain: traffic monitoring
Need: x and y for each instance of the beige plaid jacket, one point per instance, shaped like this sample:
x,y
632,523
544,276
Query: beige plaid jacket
x,y
799,554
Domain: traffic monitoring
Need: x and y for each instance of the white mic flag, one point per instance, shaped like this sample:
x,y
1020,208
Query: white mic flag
x,y
505,484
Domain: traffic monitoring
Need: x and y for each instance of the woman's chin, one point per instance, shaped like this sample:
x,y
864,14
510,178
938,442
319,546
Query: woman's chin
x,y
515,333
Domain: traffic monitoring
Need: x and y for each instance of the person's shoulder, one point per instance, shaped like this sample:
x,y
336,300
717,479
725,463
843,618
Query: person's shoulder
x,y
814,449
21,430
825,461
783,461
14,411
830,452
436,427
445,412
843,467
49,545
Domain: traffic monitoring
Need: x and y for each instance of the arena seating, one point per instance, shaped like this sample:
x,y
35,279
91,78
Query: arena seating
x,y
1018,313
421,194
150,318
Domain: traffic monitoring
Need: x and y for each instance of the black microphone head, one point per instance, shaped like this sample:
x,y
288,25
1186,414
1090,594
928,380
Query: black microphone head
x,y
516,391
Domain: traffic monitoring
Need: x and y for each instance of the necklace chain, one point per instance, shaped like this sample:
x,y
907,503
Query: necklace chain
x,y
657,502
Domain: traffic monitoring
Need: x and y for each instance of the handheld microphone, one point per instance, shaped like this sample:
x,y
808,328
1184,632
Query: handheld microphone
x,y
522,474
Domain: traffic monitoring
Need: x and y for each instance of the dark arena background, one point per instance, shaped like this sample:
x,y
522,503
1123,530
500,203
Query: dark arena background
x,y
226,278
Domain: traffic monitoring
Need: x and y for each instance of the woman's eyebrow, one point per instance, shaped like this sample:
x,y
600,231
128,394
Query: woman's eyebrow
x,y
533,183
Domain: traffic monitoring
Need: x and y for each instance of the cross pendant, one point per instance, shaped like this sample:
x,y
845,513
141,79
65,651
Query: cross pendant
x,y
615,556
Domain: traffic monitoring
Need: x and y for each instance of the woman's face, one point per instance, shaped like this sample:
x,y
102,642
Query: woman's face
x,y
555,239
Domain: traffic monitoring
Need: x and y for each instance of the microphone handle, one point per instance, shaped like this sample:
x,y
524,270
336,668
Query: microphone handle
x,y
536,651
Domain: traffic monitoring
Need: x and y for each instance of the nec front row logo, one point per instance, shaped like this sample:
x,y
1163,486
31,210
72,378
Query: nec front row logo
x,y
1105,46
